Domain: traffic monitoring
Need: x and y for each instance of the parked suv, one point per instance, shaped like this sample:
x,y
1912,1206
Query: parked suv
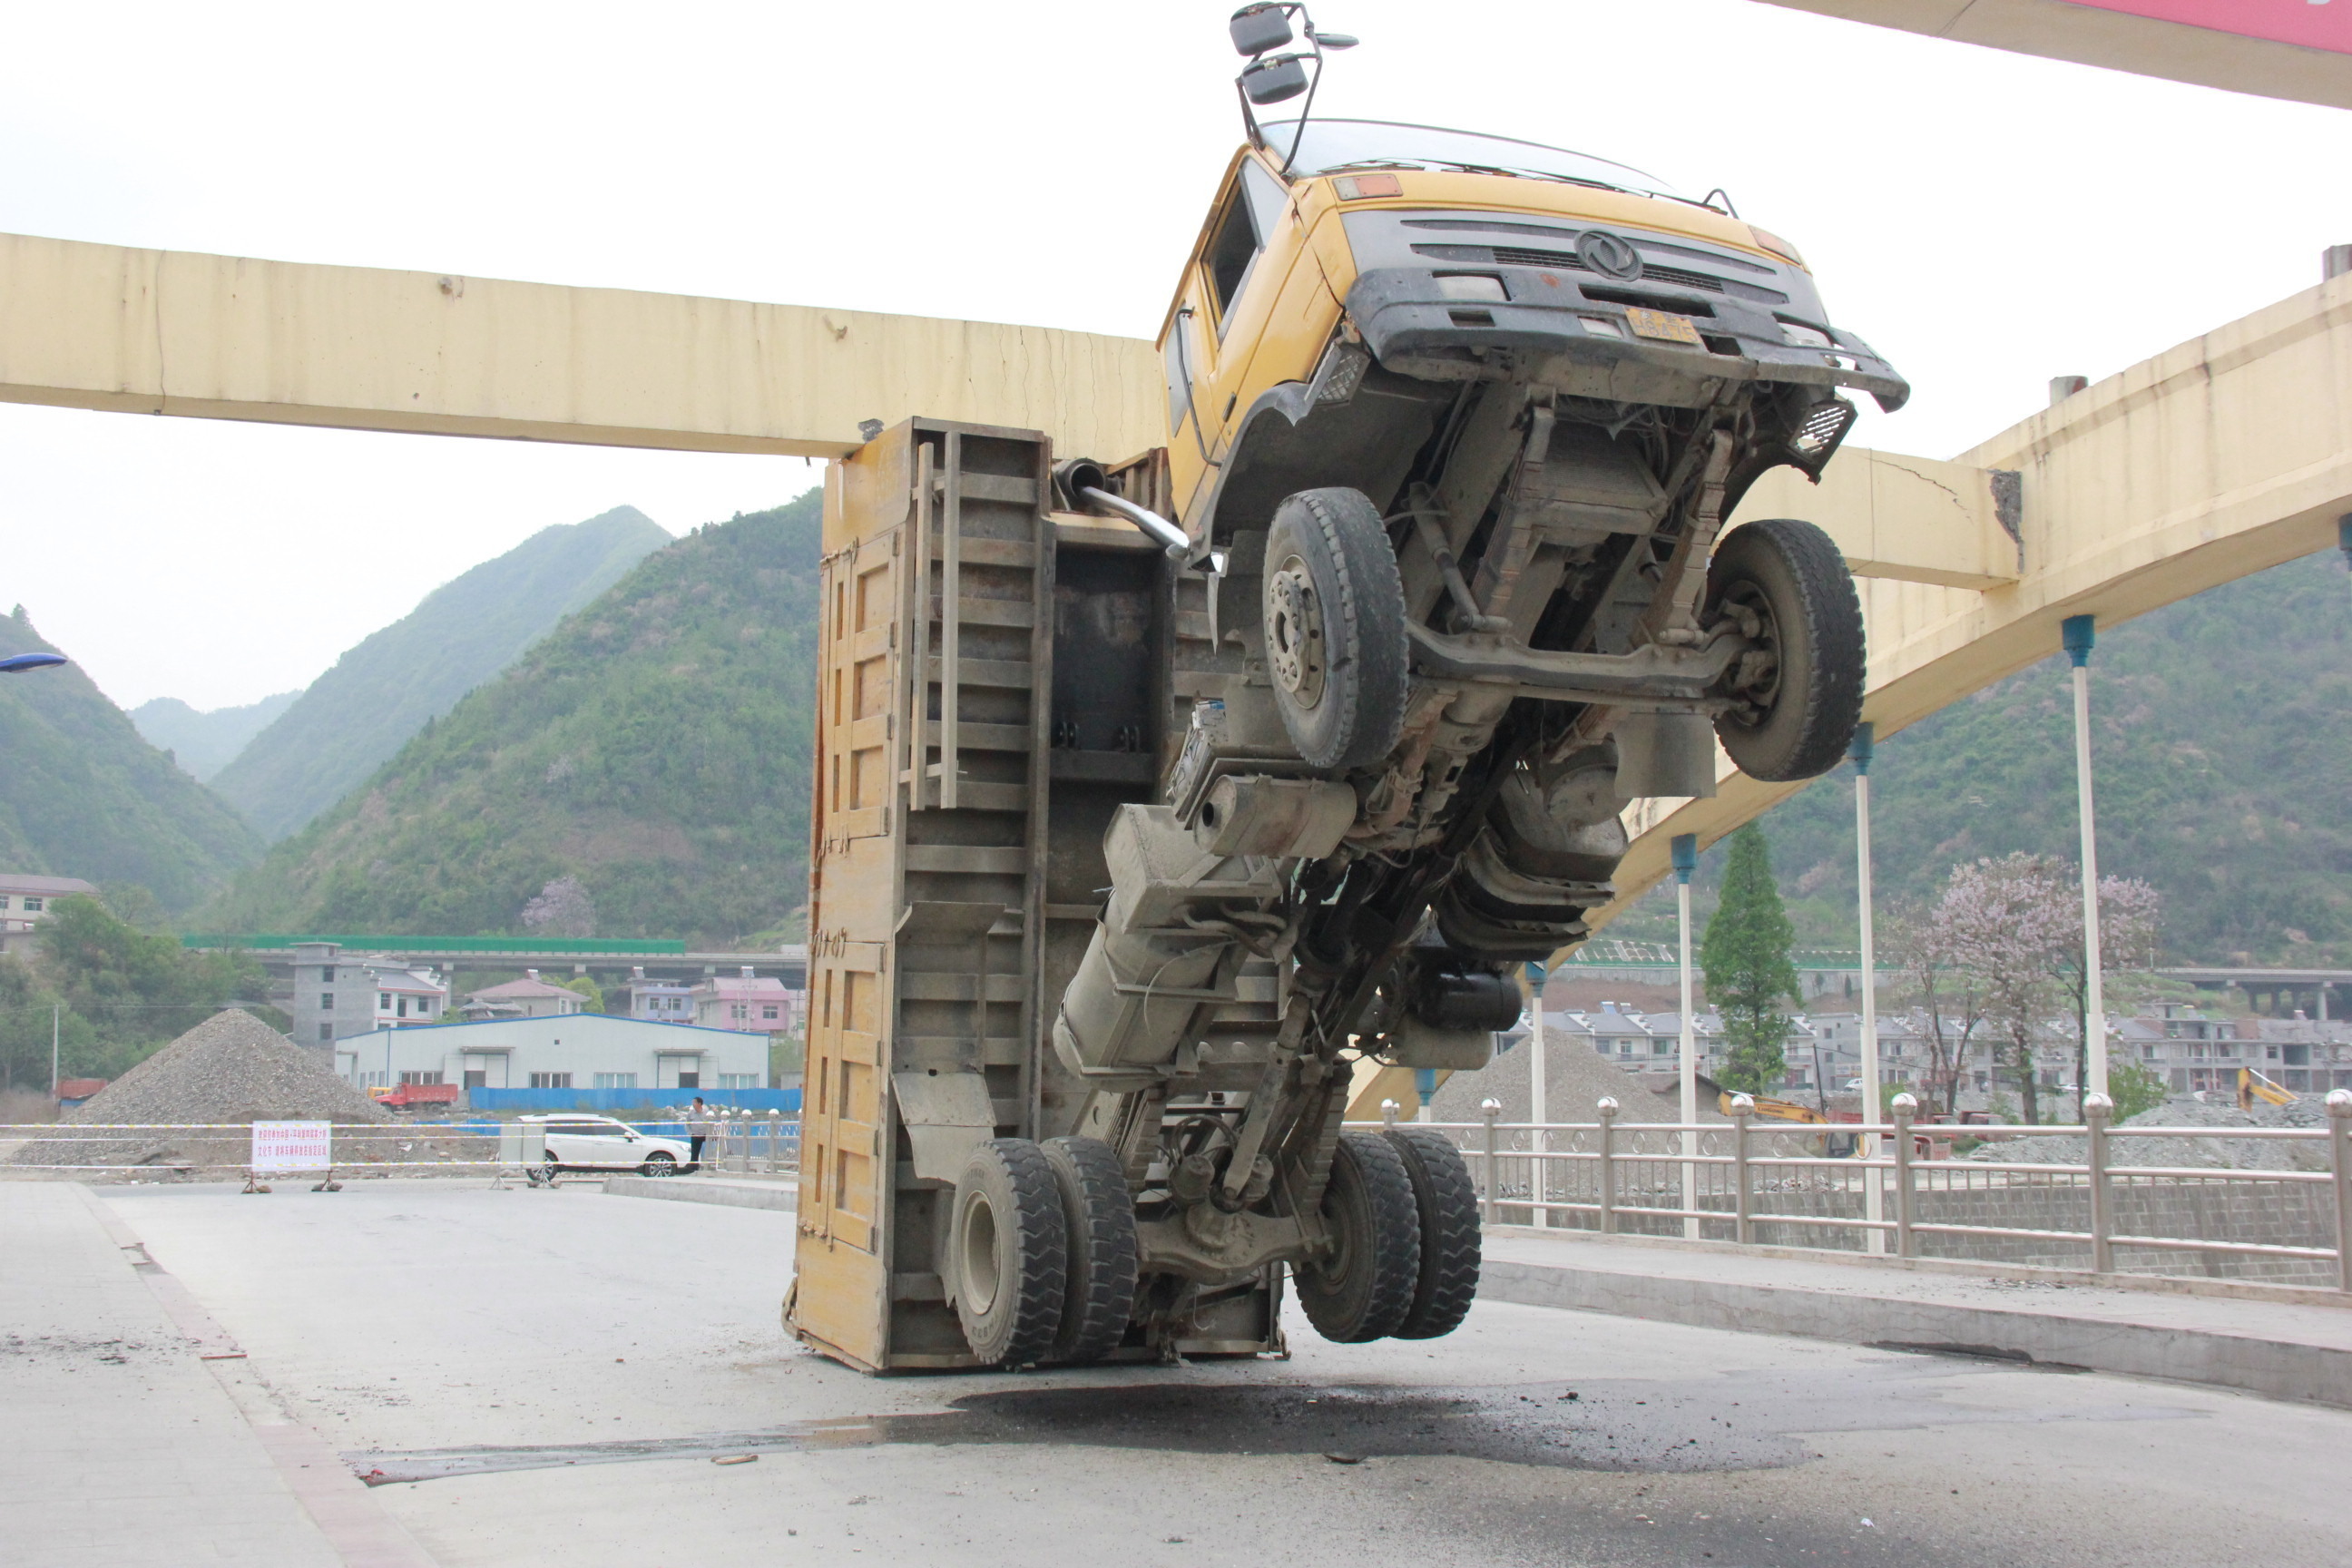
x,y
579,1141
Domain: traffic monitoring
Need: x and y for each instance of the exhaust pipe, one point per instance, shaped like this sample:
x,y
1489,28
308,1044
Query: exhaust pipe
x,y
1083,483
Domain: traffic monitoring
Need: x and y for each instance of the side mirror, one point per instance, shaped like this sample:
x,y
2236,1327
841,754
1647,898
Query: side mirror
x,y
1260,27
1275,80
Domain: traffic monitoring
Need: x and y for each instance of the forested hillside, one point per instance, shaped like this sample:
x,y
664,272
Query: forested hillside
x,y
389,685
654,747
2222,727
81,794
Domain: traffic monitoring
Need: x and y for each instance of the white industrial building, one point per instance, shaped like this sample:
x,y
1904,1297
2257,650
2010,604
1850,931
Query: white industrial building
x,y
580,1050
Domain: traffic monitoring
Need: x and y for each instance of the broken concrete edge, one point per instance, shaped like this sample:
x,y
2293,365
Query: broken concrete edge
x,y
2279,1369
689,1190
2154,1284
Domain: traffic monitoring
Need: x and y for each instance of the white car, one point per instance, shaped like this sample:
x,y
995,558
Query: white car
x,y
579,1141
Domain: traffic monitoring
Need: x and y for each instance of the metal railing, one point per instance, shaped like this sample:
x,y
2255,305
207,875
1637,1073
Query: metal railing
x,y
183,1149
1900,1194
749,1142
756,1144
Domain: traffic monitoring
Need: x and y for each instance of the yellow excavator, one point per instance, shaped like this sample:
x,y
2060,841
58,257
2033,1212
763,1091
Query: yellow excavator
x,y
2253,1086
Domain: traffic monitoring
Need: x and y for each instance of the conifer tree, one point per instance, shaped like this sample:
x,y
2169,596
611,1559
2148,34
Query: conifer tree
x,y
1746,957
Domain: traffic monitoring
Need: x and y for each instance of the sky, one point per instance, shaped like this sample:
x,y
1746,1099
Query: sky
x,y
1987,220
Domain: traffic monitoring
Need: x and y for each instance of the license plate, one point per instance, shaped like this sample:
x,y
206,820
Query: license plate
x,y
1664,325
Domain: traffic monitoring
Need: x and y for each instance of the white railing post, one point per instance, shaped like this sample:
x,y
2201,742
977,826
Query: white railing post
x,y
1491,1109
1906,1106
1743,1107
2096,1109
1608,1108
2340,1163
1389,1109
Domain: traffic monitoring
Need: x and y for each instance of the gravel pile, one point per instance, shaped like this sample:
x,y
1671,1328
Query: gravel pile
x,y
2219,1152
232,1068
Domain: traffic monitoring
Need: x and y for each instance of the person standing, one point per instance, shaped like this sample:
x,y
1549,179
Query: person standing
x,y
699,1126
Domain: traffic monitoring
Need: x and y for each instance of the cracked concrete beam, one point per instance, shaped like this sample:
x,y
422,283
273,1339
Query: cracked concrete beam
x,y
1908,520
220,337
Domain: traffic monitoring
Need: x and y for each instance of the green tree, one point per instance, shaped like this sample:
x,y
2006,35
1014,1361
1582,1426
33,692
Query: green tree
x,y
587,987
136,989
29,1008
1746,957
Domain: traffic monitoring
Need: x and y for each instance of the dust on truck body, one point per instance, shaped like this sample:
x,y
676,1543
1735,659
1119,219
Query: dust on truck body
x,y
1154,799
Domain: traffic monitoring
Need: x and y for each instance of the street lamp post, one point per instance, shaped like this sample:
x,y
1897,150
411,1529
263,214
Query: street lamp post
x,y
2077,635
1537,1108
1873,1199
18,664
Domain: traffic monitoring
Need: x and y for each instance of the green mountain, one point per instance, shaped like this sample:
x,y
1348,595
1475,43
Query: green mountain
x,y
653,749
204,743
81,794
391,684
2223,759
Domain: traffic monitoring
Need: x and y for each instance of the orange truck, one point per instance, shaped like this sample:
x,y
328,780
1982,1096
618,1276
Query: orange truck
x,y
1155,795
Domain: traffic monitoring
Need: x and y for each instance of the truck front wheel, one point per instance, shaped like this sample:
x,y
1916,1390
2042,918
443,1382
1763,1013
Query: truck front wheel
x,y
1336,645
1797,693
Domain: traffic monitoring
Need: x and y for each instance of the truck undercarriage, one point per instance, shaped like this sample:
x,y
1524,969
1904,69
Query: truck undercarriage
x,y
1156,800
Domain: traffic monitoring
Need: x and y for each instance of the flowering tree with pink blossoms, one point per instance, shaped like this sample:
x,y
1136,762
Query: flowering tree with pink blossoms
x,y
2008,922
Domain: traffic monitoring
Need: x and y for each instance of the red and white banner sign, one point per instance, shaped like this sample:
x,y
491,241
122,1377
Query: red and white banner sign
x,y
2314,24
291,1146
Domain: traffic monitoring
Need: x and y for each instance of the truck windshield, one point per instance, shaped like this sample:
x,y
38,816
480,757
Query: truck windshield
x,y
1336,146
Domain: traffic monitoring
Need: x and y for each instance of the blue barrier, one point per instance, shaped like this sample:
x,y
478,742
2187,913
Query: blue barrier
x,y
612,1101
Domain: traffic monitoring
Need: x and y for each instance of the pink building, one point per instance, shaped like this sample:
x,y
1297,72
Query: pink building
x,y
748,1004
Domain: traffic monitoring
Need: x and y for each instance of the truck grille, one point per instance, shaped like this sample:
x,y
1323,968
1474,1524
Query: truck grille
x,y
1514,255
1568,261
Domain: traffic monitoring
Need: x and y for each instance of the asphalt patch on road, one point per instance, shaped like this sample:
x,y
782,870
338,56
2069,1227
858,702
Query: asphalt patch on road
x,y
1743,1421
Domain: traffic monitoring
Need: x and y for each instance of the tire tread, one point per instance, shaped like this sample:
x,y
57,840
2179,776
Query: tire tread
x,y
1101,1247
1040,1259
1450,1235
1393,1254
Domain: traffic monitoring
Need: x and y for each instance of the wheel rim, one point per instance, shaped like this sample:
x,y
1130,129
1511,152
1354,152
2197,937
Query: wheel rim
x,y
1294,632
1755,681
980,1274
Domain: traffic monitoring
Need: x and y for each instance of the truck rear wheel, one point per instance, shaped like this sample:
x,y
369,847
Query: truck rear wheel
x,y
1099,1215
1447,1201
1364,1287
1334,638
1008,1248
1799,692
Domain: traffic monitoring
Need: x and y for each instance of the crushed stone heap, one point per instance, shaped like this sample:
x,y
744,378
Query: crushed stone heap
x,y
2219,1152
232,1068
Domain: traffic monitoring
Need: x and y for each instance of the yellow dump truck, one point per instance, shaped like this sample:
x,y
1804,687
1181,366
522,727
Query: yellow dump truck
x,y
1153,795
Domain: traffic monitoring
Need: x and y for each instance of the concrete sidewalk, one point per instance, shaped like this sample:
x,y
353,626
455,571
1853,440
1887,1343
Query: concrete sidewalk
x,y
2286,1350
733,1190
141,1435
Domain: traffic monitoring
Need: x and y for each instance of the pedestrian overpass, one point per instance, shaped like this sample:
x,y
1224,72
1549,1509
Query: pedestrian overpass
x,y
2214,459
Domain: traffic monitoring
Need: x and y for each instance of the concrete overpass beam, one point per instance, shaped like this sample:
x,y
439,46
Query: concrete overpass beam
x,y
221,337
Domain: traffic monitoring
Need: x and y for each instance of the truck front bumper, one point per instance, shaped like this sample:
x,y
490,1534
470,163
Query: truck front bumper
x,y
1415,320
